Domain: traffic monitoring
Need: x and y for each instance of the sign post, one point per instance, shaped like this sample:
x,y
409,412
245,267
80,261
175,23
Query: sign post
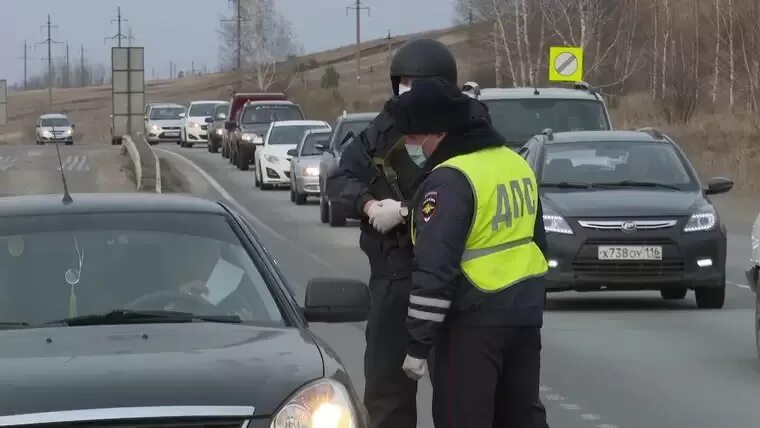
x,y
565,64
128,89
3,102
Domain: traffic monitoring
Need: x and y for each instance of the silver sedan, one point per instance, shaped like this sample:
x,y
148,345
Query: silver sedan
x,y
304,164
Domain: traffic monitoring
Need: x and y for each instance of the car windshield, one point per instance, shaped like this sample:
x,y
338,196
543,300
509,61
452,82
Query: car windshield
x,y
309,147
519,119
617,163
166,113
356,127
202,109
268,113
289,134
137,261
56,121
221,108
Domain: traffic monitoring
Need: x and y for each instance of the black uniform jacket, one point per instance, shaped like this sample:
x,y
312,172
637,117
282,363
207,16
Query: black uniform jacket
x,y
439,288
357,181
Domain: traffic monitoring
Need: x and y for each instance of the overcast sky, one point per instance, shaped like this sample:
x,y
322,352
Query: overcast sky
x,y
184,31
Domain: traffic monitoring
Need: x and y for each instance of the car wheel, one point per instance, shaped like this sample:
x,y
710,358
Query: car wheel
x,y
69,143
300,198
757,322
323,214
676,293
711,297
335,219
213,148
292,195
242,161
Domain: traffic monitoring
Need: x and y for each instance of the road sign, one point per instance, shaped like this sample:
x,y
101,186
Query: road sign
x,y
3,102
565,64
128,89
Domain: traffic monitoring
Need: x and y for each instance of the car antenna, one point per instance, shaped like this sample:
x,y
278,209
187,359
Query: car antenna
x,y
66,195
535,91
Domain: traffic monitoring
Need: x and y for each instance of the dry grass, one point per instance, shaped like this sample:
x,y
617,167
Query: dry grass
x,y
717,144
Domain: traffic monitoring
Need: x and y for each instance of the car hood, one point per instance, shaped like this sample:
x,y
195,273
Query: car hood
x,y
280,150
168,122
192,364
621,202
258,128
200,120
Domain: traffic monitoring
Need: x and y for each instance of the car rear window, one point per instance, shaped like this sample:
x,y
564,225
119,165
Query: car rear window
x,y
125,258
519,119
268,113
353,126
309,147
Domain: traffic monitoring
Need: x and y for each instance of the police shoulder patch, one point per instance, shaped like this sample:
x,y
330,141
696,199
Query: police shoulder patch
x,y
429,206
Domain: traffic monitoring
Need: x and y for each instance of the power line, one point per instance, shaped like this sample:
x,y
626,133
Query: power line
x,y
238,20
49,41
82,75
26,59
119,36
358,7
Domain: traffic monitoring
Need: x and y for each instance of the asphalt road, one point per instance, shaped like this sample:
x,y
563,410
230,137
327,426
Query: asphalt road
x,y
32,169
610,360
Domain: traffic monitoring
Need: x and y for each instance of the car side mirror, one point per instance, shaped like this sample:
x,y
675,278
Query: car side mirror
x,y
182,115
292,153
336,300
717,185
321,147
209,120
73,126
230,125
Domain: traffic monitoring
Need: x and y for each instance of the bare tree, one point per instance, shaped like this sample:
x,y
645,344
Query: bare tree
x,y
267,38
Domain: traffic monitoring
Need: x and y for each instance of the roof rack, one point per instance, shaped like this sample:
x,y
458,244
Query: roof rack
x,y
549,134
653,132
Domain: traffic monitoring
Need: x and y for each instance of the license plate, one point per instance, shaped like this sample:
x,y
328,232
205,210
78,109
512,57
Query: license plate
x,y
627,252
172,134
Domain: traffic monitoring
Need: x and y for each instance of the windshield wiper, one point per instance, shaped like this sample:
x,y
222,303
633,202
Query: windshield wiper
x,y
567,185
634,183
123,316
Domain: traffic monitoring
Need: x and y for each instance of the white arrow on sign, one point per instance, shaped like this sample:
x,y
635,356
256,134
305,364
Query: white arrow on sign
x,y
566,64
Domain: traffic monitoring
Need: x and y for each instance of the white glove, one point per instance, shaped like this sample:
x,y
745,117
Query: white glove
x,y
385,215
414,368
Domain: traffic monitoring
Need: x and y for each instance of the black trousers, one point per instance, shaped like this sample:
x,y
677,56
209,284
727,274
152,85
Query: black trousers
x,y
389,395
487,377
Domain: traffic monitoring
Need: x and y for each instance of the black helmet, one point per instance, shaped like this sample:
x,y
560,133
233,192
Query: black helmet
x,y
423,58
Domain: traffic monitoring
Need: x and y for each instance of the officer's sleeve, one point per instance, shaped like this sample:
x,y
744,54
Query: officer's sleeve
x,y
539,232
348,186
442,220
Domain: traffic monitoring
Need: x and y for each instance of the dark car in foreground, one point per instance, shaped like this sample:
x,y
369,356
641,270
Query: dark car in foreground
x,y
216,127
625,210
156,310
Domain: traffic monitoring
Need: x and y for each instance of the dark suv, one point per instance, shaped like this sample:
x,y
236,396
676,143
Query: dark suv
x,y
237,101
216,127
253,123
346,123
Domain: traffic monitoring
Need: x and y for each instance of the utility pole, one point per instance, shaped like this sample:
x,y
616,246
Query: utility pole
x,y
82,75
119,36
49,42
26,59
67,82
390,48
171,70
192,68
358,8
238,20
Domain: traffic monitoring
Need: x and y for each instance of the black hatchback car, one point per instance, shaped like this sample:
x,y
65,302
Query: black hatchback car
x,y
155,310
625,210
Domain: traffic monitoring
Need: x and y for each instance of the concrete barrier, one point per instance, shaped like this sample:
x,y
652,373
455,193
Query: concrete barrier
x,y
146,163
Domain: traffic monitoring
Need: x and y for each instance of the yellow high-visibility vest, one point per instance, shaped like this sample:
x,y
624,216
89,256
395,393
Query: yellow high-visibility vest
x,y
500,250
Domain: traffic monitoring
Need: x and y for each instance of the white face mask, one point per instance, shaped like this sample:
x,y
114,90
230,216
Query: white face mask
x,y
417,152
403,88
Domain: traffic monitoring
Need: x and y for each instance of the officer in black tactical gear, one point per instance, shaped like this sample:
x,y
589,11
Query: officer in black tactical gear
x,y
375,179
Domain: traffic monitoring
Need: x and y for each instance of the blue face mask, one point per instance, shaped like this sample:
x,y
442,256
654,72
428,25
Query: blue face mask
x,y
416,153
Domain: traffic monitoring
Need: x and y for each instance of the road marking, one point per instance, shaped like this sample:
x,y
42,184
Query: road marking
x,y
221,190
7,162
739,285
75,163
566,406
590,417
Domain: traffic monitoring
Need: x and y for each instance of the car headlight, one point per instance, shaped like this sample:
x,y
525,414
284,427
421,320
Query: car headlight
x,y
557,224
193,125
271,158
701,221
251,138
220,132
67,133
321,404
47,134
311,170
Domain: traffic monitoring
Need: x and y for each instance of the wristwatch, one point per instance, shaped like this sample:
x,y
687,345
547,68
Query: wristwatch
x,y
403,210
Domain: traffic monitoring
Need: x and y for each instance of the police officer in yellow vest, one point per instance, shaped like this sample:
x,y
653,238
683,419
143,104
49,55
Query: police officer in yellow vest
x,y
477,296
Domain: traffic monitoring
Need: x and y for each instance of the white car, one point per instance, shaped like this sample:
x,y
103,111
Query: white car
x,y
272,162
753,277
54,128
194,127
